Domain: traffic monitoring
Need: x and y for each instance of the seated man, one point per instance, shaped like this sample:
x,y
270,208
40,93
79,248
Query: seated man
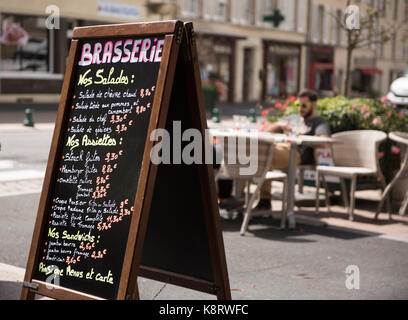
x,y
315,125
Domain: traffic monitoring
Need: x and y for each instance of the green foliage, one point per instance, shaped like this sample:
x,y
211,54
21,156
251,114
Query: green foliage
x,y
345,114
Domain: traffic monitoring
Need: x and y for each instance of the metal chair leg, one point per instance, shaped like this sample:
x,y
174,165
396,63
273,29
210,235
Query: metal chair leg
x,y
344,193
384,195
317,205
387,198
248,211
301,180
352,197
326,193
404,205
283,216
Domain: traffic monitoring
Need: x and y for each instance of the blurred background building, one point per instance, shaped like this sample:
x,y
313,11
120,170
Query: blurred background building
x,y
251,59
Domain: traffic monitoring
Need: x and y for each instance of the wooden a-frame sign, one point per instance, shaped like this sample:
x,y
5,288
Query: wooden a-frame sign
x,y
107,214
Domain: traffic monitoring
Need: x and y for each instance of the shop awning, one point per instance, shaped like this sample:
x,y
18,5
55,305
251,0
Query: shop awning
x,y
369,70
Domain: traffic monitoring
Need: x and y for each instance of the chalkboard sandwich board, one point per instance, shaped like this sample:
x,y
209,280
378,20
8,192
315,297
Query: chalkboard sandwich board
x,y
107,214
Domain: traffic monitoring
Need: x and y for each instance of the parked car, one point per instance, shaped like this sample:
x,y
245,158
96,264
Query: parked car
x,y
398,94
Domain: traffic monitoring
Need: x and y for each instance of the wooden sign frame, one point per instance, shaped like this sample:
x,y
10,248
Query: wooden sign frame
x,y
179,39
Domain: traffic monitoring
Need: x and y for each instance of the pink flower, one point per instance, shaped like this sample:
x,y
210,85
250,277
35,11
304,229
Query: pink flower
x,y
292,98
366,115
394,106
384,99
278,105
395,150
354,107
365,108
377,121
380,155
264,113
262,123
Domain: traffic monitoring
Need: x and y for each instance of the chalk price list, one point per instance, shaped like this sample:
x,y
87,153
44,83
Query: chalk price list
x,y
98,125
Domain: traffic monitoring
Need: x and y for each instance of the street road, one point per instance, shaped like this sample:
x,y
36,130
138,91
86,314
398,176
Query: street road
x,y
23,160
308,263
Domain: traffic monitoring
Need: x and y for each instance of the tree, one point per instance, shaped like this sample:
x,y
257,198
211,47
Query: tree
x,y
363,29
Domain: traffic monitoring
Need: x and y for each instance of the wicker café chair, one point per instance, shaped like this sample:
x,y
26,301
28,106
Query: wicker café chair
x,y
402,139
233,171
355,154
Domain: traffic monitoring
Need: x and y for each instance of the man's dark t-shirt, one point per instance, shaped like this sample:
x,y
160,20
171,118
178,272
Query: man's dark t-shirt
x,y
317,127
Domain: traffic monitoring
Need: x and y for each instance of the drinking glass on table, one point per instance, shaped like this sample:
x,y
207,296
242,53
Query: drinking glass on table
x,y
297,125
244,123
237,122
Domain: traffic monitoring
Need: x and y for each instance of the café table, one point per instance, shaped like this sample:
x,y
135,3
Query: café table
x,y
294,141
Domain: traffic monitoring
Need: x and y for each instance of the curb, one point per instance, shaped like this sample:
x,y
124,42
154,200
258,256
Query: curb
x,y
11,273
18,127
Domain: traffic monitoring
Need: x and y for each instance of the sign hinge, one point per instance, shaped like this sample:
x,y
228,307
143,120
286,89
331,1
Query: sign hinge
x,y
179,35
192,37
30,285
215,288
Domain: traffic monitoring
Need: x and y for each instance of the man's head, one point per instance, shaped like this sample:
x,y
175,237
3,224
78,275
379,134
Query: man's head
x,y
307,103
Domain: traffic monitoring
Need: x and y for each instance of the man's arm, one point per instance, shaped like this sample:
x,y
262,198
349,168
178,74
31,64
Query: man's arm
x,y
278,127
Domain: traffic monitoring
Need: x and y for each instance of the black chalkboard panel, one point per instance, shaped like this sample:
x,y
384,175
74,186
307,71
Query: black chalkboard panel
x,y
92,197
176,238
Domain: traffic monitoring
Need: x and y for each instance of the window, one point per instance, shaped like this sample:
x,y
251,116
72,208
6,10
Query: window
x,y
320,18
288,10
381,46
189,8
383,8
221,12
241,11
406,10
339,15
215,10
395,4
264,7
393,45
24,44
248,11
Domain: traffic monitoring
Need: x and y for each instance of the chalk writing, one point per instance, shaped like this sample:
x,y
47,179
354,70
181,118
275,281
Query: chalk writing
x,y
99,165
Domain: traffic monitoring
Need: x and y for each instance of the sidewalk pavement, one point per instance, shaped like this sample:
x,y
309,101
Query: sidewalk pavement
x,y
16,113
19,127
11,279
12,118
306,263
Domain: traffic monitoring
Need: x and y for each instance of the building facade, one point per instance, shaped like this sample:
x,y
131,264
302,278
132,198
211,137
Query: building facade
x,y
35,38
252,60
255,60
375,64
